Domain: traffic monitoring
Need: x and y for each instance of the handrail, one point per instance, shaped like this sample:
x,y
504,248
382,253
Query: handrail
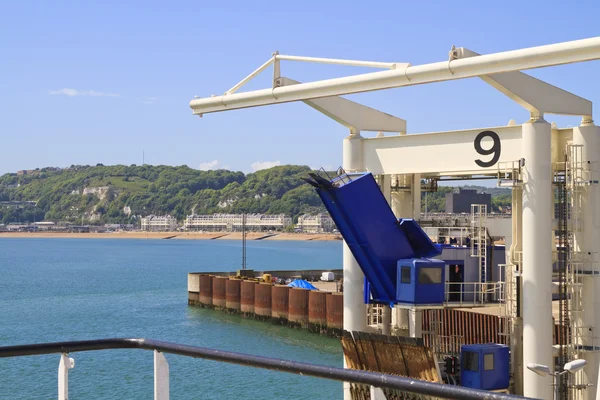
x,y
345,375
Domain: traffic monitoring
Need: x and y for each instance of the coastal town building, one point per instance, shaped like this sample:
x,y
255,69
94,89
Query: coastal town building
x,y
460,202
44,225
159,223
234,222
318,223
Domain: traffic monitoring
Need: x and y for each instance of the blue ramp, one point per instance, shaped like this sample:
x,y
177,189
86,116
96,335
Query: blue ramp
x,y
376,238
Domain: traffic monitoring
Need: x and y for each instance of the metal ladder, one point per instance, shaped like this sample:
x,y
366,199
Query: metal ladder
x,y
563,256
479,244
571,177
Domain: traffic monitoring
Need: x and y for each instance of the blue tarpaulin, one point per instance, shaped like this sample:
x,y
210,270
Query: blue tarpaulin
x,y
302,284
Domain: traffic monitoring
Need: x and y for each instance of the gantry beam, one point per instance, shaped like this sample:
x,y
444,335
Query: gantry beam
x,y
354,116
536,96
406,75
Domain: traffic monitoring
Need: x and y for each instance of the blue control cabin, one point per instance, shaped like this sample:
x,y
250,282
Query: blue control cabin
x,y
420,281
485,366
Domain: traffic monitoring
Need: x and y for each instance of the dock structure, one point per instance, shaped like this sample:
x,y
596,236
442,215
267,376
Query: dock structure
x,y
315,310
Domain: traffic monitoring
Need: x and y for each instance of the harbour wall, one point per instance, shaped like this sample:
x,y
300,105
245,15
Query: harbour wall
x,y
316,311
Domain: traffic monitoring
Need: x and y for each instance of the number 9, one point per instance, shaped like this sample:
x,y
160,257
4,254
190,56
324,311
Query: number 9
x,y
495,149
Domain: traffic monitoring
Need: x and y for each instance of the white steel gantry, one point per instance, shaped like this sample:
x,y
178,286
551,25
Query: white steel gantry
x,y
526,153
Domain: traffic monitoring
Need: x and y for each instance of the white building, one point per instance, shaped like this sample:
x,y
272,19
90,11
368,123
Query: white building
x,y
233,222
45,225
159,223
315,223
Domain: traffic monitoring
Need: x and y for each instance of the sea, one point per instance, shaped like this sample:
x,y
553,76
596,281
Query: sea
x,y
80,289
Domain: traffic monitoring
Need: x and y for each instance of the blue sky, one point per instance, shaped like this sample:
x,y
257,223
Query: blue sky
x,y
131,67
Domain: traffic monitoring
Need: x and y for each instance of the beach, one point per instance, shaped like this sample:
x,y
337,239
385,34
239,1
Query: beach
x,y
178,235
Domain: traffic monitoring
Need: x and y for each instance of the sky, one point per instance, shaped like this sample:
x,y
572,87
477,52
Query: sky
x,y
86,82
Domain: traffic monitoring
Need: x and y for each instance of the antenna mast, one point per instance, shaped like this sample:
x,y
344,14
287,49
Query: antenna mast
x,y
243,241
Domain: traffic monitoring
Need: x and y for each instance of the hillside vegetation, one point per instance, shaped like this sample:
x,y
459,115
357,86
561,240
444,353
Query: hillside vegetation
x,y
120,194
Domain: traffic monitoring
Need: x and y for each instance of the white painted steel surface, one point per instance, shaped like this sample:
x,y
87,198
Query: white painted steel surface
x,y
335,61
355,318
355,311
402,204
415,323
537,257
588,243
352,153
250,77
377,394
515,60
64,366
402,207
416,195
161,376
386,320
354,116
441,153
536,96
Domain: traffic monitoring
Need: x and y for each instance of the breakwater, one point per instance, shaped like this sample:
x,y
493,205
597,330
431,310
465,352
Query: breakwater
x,y
314,310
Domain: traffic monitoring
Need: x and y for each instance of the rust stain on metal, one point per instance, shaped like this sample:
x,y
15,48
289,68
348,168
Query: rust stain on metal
x,y
388,354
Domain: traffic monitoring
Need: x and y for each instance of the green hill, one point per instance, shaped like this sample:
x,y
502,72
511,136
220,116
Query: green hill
x,y
117,194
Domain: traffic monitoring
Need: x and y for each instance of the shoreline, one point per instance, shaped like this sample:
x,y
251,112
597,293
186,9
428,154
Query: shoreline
x,y
176,236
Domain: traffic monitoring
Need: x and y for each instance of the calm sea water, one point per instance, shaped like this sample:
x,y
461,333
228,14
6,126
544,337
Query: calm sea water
x,y
78,289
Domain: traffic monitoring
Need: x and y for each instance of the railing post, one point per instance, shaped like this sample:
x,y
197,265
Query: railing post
x,y
377,393
161,376
64,366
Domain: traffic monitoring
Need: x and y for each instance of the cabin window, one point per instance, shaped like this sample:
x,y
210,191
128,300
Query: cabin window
x,y
488,362
405,271
471,361
430,275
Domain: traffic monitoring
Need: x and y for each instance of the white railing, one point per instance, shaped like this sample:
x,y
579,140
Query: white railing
x,y
161,376
471,294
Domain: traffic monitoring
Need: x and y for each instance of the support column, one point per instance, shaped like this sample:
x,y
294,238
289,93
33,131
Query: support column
x,y
355,314
355,311
386,187
514,257
386,320
416,196
402,204
587,242
402,198
537,257
415,323
402,207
